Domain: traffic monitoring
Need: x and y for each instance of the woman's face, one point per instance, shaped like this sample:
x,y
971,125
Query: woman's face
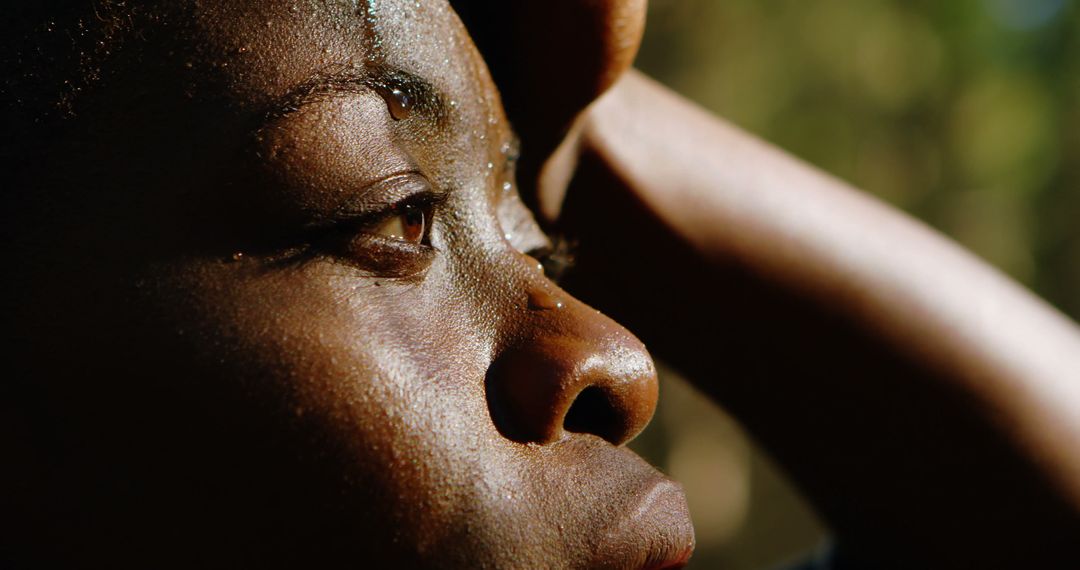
x,y
322,335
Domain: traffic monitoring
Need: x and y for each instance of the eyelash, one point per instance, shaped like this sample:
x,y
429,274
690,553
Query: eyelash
x,y
351,237
346,236
361,227
558,259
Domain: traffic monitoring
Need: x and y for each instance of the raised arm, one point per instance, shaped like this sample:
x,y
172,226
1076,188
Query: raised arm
x,y
929,406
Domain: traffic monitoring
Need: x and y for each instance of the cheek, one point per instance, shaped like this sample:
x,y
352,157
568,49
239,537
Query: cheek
x,y
399,390
390,373
381,386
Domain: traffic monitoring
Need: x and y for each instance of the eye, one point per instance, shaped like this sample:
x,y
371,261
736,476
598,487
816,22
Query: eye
x,y
408,223
557,259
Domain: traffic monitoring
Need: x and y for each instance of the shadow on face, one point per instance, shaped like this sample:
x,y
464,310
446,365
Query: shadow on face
x,y
283,308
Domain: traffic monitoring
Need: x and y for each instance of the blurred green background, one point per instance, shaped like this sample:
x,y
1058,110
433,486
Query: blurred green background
x,y
965,113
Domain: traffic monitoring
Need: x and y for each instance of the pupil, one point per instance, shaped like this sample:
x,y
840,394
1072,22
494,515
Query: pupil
x,y
413,219
413,215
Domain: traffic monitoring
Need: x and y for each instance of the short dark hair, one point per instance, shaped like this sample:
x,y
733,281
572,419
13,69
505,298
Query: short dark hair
x,y
53,51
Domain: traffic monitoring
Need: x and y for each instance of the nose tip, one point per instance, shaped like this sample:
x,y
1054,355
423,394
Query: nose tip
x,y
600,382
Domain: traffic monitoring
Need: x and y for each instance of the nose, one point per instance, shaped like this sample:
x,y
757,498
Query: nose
x,y
572,370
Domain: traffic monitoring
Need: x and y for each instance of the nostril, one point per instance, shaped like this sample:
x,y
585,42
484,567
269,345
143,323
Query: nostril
x,y
593,411
575,372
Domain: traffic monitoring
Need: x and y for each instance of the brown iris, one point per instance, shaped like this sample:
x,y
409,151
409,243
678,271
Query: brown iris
x,y
409,223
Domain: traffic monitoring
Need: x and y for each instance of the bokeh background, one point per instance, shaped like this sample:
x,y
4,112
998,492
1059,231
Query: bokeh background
x,y
965,113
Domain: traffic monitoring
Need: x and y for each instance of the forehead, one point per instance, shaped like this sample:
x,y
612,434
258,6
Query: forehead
x,y
265,48
264,51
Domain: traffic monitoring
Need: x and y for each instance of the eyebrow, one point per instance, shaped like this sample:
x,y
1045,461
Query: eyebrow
x,y
428,102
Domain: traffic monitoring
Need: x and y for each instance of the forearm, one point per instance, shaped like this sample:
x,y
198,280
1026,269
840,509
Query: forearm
x,y
895,344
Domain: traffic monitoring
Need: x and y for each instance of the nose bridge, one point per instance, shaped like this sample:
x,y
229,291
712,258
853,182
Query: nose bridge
x,y
565,367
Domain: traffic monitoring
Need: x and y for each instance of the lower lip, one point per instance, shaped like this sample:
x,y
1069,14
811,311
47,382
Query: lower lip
x,y
656,533
674,564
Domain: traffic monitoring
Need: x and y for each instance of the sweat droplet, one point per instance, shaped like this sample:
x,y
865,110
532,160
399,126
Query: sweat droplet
x,y
543,301
399,103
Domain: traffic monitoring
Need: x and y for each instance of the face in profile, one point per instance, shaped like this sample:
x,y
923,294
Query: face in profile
x,y
294,316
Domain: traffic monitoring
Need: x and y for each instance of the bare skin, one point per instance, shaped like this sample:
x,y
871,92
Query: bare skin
x,y
928,405
289,320
387,395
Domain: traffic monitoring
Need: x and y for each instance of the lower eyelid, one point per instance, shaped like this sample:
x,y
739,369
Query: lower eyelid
x,y
387,257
